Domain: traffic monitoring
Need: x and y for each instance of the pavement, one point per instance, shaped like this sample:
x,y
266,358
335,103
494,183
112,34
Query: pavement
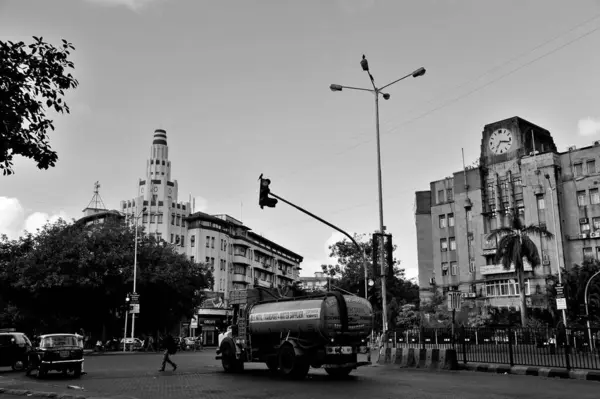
x,y
199,375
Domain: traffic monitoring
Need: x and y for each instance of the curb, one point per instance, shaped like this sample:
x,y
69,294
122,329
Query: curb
x,y
40,394
548,372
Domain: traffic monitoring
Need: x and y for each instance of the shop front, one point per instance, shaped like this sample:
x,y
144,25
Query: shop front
x,y
211,322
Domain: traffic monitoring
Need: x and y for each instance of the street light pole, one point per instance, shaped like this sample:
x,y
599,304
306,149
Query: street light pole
x,y
378,91
587,310
135,246
551,190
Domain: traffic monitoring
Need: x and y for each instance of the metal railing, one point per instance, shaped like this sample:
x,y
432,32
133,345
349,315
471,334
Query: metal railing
x,y
545,347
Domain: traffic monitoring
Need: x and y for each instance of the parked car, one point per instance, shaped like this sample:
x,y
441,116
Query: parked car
x,y
14,350
131,343
60,352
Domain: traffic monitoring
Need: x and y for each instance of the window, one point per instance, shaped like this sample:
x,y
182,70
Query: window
x,y
224,245
212,261
193,241
581,198
591,167
192,259
450,220
212,242
182,240
452,244
172,238
172,219
444,244
454,268
145,218
594,196
153,218
472,266
440,196
504,288
158,236
588,253
449,196
160,218
442,221
207,260
207,242
444,268
178,220
584,228
469,214
578,169
596,223
154,199
182,221
541,203
520,207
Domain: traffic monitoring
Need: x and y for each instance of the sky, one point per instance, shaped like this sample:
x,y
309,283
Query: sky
x,y
242,88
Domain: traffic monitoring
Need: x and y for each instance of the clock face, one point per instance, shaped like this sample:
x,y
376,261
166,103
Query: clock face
x,y
500,141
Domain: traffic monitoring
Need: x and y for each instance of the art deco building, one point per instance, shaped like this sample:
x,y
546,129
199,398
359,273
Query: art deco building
x,y
520,172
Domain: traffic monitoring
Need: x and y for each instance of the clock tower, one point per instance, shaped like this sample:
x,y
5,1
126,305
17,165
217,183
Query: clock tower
x,y
513,138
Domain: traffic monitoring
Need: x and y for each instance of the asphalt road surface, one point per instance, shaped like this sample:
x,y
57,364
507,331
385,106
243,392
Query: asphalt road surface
x,y
199,375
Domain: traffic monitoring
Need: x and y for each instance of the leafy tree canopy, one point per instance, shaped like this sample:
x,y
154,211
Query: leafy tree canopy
x,y
33,81
70,276
349,275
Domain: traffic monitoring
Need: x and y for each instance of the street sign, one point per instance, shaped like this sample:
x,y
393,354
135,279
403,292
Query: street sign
x,y
454,300
194,323
135,298
560,293
561,303
135,308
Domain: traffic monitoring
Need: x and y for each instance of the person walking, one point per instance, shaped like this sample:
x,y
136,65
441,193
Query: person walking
x,y
170,346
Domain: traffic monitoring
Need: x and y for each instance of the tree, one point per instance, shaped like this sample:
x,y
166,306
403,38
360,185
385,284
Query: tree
x,y
33,82
574,282
69,276
349,275
514,246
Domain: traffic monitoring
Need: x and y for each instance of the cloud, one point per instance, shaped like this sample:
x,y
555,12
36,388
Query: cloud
x,y
588,126
13,222
312,265
135,5
199,204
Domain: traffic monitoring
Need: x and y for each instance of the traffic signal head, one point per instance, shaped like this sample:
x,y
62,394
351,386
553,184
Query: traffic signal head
x,y
376,266
263,199
389,254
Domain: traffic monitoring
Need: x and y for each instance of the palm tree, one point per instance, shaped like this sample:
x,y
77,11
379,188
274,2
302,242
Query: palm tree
x,y
514,246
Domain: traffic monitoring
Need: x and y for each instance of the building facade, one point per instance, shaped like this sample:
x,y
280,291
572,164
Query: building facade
x,y
520,172
237,256
317,283
157,207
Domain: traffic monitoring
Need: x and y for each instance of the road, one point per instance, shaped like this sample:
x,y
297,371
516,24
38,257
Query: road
x,y
199,375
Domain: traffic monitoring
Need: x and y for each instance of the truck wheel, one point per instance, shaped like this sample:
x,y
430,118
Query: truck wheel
x,y
339,372
228,360
18,365
290,365
273,364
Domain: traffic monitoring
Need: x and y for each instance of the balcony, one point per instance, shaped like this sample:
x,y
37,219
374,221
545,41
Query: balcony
x,y
498,269
241,278
241,259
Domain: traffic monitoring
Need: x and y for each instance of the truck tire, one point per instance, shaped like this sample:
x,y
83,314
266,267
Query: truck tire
x,y
228,359
291,365
338,372
273,364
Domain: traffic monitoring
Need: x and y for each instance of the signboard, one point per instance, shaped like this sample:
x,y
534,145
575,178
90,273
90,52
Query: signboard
x,y
212,312
194,323
134,297
134,308
498,269
560,293
454,300
302,314
561,303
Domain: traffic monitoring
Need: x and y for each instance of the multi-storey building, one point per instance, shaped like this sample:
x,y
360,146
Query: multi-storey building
x,y
520,172
156,203
316,283
238,256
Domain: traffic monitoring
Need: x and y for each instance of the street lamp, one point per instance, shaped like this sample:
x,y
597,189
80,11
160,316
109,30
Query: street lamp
x,y
135,270
377,91
550,190
587,309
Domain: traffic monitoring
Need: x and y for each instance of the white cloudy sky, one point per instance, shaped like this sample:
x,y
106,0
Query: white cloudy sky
x,y
242,88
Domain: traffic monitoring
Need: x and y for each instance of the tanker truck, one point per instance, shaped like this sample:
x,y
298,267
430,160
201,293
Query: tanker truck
x,y
290,335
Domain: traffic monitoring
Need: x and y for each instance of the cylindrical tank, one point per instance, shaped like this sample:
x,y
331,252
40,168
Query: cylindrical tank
x,y
312,316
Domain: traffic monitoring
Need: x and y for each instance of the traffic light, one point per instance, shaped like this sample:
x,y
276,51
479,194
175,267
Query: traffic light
x,y
376,267
263,199
389,252
128,303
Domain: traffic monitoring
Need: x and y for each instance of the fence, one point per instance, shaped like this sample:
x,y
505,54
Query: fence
x,y
548,347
